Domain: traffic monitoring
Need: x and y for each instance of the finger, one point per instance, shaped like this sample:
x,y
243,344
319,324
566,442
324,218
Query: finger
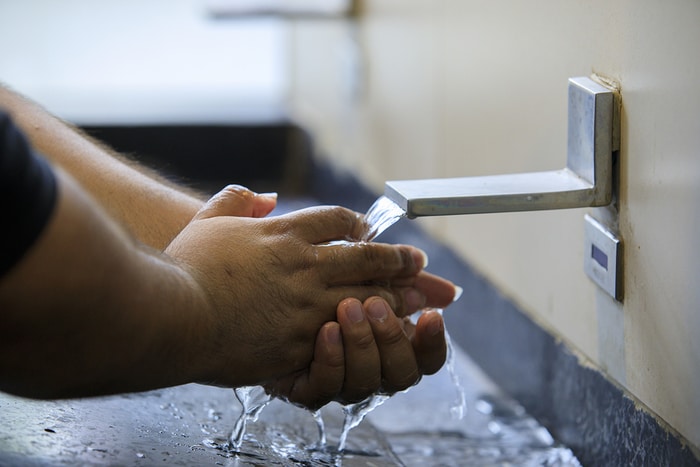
x,y
403,300
263,204
236,200
323,380
429,344
322,224
362,364
439,292
398,363
351,263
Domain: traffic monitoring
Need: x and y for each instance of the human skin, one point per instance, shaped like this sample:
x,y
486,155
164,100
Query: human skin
x,y
231,301
146,204
369,350
303,270
92,310
153,210
372,351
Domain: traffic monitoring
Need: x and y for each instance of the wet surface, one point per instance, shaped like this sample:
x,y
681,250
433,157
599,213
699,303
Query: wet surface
x,y
188,425
177,426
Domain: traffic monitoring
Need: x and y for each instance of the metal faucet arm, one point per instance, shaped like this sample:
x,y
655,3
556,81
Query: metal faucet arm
x,y
585,181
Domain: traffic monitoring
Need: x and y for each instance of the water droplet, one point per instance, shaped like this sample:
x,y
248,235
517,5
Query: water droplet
x,y
494,427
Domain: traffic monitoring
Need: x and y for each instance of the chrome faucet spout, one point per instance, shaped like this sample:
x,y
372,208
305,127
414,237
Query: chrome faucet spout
x,y
585,181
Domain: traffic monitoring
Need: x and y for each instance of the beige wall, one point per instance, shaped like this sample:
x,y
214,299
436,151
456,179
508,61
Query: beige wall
x,y
467,87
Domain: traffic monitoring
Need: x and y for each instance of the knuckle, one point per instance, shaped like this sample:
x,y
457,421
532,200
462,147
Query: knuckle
x,y
350,221
393,336
343,219
238,190
380,256
335,363
364,341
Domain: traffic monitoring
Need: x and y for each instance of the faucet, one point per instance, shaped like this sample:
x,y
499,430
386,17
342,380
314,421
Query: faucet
x,y
592,136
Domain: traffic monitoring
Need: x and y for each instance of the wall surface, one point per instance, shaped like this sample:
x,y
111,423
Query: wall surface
x,y
155,62
420,89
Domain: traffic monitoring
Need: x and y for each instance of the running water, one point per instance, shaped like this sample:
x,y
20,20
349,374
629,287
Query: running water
x,y
381,215
318,418
355,413
253,399
459,406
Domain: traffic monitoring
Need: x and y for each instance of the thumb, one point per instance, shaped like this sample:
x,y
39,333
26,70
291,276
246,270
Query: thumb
x,y
238,201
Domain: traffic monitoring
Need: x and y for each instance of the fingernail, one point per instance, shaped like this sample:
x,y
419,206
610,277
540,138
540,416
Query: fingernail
x,y
413,299
458,293
268,195
422,258
354,312
377,310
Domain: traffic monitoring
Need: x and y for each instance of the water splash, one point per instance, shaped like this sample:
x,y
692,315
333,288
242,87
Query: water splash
x,y
322,438
380,216
355,413
253,399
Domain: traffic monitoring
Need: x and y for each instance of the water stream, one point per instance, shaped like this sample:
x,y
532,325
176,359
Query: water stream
x,y
252,399
381,215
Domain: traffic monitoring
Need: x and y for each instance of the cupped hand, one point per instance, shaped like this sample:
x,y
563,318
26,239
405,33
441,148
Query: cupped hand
x,y
266,286
370,350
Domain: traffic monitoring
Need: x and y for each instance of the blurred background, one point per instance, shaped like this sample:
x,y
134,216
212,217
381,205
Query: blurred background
x,y
261,92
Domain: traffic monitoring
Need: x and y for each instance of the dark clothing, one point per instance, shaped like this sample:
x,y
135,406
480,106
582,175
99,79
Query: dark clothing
x,y
27,194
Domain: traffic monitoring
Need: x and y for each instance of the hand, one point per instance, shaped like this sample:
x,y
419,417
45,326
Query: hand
x,y
422,290
368,348
370,351
274,282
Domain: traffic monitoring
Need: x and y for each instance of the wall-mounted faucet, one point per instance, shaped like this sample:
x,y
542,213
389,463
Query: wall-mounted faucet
x,y
593,135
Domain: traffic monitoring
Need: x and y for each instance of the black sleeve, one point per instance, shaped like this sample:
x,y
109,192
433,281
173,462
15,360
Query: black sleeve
x,y
27,194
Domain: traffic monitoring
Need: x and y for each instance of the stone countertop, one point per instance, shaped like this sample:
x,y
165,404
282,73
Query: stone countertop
x,y
186,425
174,426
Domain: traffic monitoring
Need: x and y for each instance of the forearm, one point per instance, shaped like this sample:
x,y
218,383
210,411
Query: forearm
x,y
152,209
89,311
